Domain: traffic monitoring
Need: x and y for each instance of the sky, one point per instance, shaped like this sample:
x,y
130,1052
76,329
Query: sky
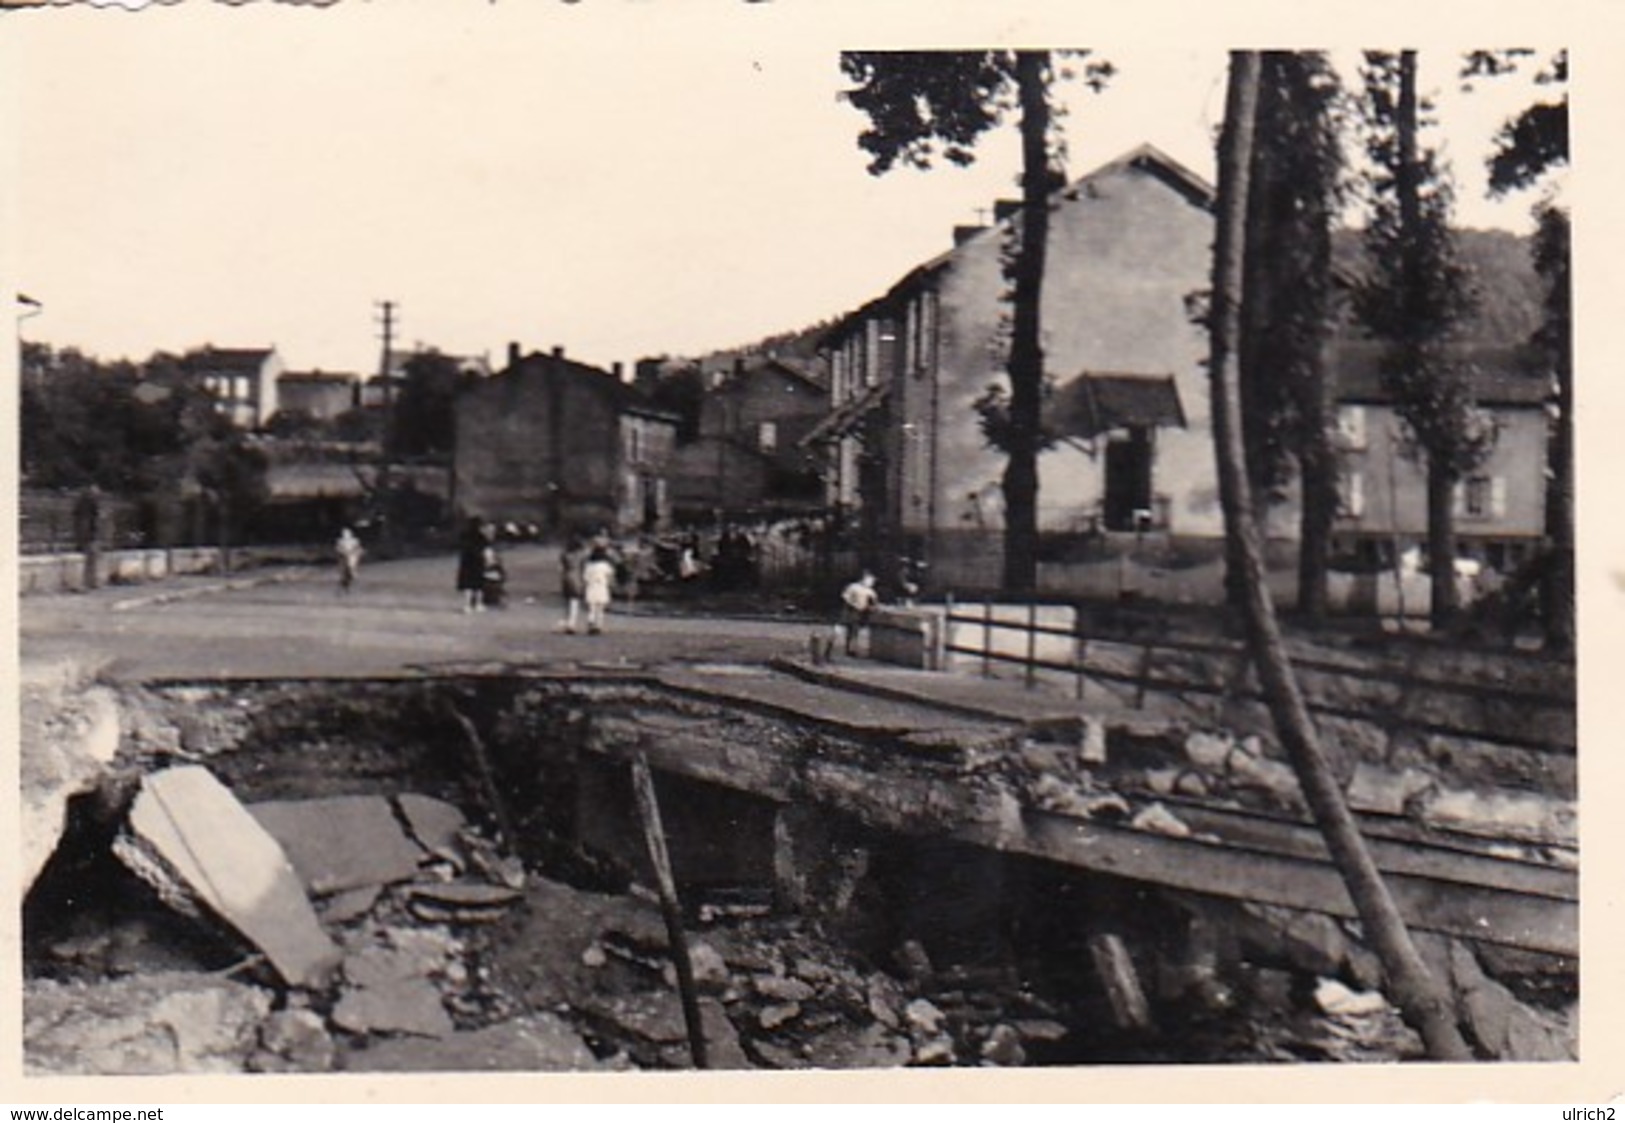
x,y
621,179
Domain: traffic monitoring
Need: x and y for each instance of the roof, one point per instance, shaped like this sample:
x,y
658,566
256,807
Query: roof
x,y
627,397
227,358
1095,403
1501,375
844,416
318,376
1146,158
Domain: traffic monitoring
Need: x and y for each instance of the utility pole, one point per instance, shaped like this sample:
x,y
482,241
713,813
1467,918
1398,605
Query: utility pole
x,y
384,484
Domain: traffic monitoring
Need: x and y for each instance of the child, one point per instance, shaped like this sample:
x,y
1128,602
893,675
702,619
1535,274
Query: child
x,y
348,549
597,579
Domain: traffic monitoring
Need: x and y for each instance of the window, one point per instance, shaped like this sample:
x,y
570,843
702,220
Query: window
x,y
1351,426
767,436
1481,497
634,442
1351,495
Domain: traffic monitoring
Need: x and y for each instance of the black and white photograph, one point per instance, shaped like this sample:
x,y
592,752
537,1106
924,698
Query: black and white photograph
x,y
631,538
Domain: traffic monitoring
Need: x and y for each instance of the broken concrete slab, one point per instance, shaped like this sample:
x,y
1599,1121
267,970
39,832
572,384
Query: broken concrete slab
x,y
294,1041
189,836
343,842
541,1042
435,825
461,901
69,736
351,904
410,1005
157,1024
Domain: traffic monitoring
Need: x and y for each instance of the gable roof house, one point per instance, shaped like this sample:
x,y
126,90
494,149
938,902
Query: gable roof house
x,y
1129,243
563,445
1499,508
748,456
242,380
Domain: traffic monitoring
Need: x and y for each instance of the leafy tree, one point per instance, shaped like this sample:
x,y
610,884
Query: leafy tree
x,y
922,104
1529,146
424,419
1414,299
1421,997
1288,309
683,393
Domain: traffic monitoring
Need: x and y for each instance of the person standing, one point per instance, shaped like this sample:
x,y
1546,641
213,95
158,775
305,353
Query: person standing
x,y
349,551
597,579
471,565
570,562
858,601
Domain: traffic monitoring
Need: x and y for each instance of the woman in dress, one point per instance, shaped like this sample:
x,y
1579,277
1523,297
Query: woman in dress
x,y
471,565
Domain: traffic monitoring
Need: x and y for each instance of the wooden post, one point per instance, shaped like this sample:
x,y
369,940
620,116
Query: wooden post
x,y
643,787
1116,970
1032,644
488,782
1080,648
987,639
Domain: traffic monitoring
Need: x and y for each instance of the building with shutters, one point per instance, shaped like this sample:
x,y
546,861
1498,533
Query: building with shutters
x,y
905,457
1499,508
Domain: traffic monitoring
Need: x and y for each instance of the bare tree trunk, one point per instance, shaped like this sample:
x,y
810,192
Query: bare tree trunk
x,y
1026,347
1424,1003
1441,543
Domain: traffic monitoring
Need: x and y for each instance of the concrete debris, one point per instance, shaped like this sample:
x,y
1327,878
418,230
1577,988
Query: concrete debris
x,y
435,825
1208,750
158,1024
189,837
294,1041
871,1046
913,961
924,1018
1092,750
1040,1029
1386,791
1502,1026
411,1005
1338,1000
885,1000
344,842
494,866
70,736
461,902
541,1042
351,904
1157,819
1003,1047
1502,814
937,1051
1054,794
778,988
594,956
710,969
772,1017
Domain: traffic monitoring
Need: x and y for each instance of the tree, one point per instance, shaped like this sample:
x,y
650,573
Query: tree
x,y
920,102
1414,299
1287,310
1529,146
424,419
682,391
1422,1000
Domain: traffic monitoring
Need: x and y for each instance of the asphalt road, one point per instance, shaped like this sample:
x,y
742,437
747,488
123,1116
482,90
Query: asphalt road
x,y
402,616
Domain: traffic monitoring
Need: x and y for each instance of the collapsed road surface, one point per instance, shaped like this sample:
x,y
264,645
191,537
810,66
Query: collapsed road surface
x,y
445,872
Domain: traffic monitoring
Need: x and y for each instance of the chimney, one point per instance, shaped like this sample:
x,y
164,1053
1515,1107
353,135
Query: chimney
x,y
739,365
1004,208
963,234
513,353
558,352
618,369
